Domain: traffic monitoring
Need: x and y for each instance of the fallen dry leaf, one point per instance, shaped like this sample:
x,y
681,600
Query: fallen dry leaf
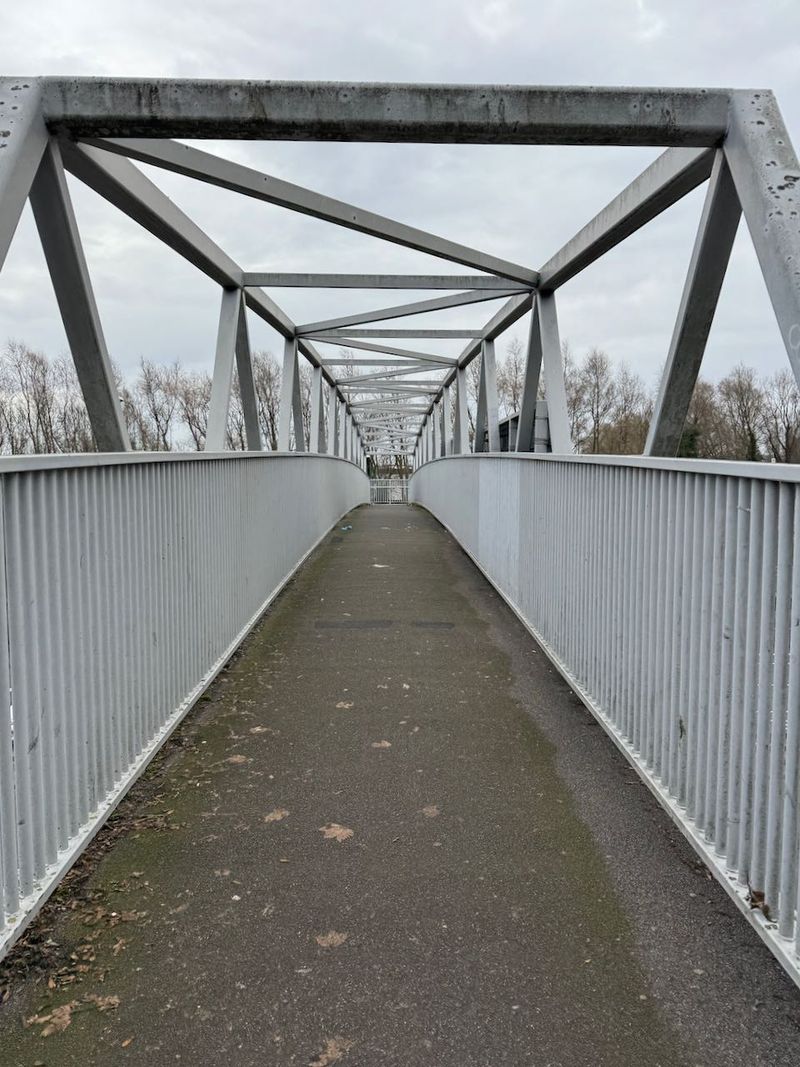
x,y
345,704
330,940
119,945
127,1042
430,811
55,1021
276,815
333,831
109,1003
335,1049
381,744
236,759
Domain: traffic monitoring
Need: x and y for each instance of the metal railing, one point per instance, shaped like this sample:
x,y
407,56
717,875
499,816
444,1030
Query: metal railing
x,y
128,581
388,491
667,592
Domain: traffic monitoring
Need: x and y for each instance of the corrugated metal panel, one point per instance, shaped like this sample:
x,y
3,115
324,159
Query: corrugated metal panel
x,y
124,587
669,597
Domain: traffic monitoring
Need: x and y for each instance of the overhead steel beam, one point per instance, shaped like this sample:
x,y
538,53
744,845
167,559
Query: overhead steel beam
x,y
23,139
379,281
381,405
390,387
712,250
385,372
419,307
345,341
389,364
193,163
442,334
674,174
379,423
58,230
766,173
427,113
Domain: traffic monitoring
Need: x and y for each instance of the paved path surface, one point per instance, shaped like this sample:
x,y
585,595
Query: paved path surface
x,y
391,835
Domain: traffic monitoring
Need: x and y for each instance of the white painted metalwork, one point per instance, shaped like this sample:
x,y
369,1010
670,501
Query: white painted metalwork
x,y
388,490
127,583
668,595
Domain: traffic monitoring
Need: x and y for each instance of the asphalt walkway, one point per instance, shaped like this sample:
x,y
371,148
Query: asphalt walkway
x,y
390,835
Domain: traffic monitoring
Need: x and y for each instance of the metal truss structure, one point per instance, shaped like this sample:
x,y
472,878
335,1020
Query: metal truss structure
x,y
390,398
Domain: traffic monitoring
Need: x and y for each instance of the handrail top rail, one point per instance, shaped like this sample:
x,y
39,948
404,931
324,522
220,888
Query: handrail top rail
x,y
770,472
73,460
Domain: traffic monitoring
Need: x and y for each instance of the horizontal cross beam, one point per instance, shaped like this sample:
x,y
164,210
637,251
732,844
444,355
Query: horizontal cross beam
x,y
418,307
326,111
389,350
378,281
337,335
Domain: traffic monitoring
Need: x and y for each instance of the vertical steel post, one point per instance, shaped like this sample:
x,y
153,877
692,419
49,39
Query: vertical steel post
x,y
553,371
288,379
222,381
333,421
461,426
447,443
530,390
317,430
247,387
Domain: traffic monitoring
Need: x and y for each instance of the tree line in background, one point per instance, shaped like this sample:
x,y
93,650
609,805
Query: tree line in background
x,y
744,416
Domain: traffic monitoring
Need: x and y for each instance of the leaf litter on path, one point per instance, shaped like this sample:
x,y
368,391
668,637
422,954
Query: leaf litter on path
x,y
333,939
59,1018
276,816
334,832
335,1049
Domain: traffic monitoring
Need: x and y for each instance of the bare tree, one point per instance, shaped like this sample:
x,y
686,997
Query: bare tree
x,y
576,412
781,418
194,400
267,379
742,401
511,378
595,383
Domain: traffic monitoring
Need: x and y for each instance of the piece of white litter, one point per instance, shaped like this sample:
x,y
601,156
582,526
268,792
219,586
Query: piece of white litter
x,y
382,566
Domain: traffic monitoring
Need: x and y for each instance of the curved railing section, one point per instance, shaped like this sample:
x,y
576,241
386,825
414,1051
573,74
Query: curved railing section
x,y
127,582
667,592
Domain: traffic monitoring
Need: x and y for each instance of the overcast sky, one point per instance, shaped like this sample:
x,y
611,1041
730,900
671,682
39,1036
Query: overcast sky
x,y
518,202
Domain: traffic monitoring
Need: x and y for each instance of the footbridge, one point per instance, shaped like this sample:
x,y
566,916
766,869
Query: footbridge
x,y
506,773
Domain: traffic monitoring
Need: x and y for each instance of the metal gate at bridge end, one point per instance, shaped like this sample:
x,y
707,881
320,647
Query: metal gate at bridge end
x,y
388,490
